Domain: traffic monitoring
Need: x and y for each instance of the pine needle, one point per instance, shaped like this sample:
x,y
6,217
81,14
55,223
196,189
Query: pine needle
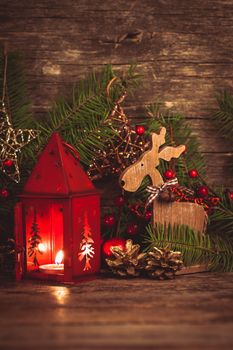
x,y
196,248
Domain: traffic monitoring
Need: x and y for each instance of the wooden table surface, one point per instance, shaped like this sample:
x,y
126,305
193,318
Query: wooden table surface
x,y
190,312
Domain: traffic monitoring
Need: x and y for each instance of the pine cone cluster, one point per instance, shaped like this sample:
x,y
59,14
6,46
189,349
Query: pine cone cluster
x,y
159,263
128,261
163,263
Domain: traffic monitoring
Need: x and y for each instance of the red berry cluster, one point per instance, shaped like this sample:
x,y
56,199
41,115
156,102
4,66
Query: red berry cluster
x,y
170,174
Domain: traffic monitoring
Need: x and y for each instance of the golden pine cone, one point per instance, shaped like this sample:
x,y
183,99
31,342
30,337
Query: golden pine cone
x,y
163,263
127,261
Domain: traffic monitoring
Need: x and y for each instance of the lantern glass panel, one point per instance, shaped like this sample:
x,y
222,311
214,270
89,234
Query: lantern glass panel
x,y
44,232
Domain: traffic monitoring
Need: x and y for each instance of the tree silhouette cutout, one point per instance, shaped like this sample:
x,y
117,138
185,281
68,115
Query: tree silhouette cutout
x,y
87,250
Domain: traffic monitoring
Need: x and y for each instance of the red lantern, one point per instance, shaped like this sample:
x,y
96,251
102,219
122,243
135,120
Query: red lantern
x,y
57,222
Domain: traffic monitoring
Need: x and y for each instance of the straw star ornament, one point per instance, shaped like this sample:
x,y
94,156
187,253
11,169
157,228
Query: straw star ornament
x,y
11,140
11,143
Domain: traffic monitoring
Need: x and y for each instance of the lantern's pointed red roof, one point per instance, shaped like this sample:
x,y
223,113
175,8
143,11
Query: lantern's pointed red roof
x,y
58,171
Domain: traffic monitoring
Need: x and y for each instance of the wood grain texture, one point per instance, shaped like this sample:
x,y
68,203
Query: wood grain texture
x,y
190,312
184,51
176,213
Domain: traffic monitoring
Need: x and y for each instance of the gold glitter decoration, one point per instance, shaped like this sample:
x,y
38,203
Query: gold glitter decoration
x,y
11,142
120,151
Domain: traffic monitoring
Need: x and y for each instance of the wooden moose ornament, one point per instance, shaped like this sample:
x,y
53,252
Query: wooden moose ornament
x,y
190,214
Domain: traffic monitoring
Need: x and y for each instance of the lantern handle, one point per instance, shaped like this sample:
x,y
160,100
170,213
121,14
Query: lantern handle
x,y
71,148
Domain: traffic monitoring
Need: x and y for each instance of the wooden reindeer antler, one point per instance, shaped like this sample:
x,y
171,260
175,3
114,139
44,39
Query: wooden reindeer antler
x,y
168,152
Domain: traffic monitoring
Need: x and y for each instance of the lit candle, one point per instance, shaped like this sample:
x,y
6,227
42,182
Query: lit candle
x,y
58,267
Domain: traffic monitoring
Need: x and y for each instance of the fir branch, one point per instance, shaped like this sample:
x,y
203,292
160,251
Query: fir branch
x,y
214,251
178,132
223,117
84,122
221,218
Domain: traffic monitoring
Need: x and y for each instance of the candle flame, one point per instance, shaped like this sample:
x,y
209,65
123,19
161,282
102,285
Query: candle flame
x,y
59,257
42,247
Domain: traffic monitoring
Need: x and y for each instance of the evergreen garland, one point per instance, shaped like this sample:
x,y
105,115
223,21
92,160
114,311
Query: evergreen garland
x,y
223,116
178,132
214,251
84,121
221,220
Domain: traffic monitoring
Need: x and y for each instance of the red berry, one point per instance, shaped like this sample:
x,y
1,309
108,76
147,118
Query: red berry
x,y
169,174
119,201
8,163
140,129
148,215
231,195
202,191
113,242
132,229
109,220
4,192
193,173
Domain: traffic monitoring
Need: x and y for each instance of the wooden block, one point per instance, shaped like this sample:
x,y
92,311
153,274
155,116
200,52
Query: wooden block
x,y
193,269
180,213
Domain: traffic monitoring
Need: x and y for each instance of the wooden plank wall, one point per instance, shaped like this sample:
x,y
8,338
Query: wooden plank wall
x,y
184,52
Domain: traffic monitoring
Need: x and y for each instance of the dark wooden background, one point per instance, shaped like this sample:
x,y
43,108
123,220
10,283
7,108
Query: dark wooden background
x,y
184,52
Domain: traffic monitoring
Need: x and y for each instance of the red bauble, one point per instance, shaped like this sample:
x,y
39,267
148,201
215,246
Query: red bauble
x,y
8,163
203,191
113,242
4,193
193,173
148,215
119,201
132,229
140,129
109,220
169,174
